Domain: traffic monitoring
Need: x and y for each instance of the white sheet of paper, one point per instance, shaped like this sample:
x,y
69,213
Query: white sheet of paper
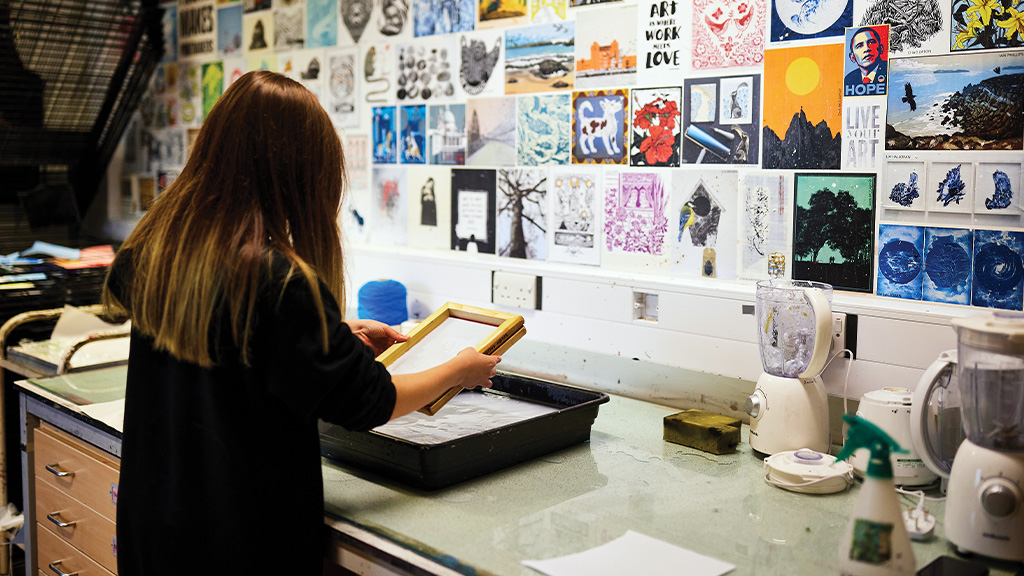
x,y
632,553
110,413
75,324
72,326
463,416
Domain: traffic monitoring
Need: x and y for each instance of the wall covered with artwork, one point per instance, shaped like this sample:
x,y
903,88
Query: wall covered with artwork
x,y
877,145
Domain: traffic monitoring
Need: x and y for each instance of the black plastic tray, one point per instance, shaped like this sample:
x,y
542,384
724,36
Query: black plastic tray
x,y
434,466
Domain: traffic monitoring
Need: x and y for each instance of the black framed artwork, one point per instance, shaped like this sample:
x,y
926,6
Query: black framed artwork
x,y
474,197
834,229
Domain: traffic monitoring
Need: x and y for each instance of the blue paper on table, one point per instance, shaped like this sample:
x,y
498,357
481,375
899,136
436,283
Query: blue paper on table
x,y
46,249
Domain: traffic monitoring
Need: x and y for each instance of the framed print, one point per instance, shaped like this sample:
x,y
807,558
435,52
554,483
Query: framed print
x,y
997,188
951,187
600,127
834,229
904,186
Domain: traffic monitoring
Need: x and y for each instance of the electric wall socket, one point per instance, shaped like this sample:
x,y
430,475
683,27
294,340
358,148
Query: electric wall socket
x,y
518,290
844,333
645,307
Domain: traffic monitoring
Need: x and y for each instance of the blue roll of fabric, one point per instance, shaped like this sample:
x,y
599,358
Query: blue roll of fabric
x,y
384,301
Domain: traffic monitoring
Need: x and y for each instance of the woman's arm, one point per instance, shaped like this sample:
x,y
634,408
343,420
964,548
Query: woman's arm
x,y
468,369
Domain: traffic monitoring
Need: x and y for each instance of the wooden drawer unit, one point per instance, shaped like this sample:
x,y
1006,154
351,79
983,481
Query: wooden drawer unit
x,y
76,523
56,555
77,468
75,504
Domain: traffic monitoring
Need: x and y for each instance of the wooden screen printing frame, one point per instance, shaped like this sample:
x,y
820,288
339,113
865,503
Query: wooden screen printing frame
x,y
508,329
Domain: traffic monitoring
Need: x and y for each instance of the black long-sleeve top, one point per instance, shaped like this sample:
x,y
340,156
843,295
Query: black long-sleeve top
x,y
220,468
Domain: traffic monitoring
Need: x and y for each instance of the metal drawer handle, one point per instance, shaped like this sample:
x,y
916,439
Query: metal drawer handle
x,y
53,518
58,472
53,566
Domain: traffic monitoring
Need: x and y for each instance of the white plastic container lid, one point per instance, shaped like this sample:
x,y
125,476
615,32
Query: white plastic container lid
x,y
890,397
808,472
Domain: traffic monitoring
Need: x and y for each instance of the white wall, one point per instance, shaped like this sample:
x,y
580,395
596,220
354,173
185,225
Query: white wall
x,y
702,351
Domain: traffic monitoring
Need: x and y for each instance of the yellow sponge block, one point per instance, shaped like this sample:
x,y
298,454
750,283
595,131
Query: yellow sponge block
x,y
703,430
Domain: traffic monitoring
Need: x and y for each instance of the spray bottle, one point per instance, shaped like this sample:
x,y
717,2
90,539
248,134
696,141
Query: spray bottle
x,y
875,541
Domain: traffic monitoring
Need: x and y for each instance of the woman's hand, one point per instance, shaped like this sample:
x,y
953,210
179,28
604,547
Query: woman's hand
x,y
468,369
476,369
377,335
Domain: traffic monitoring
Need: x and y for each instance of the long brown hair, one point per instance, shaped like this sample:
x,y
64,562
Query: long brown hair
x,y
265,174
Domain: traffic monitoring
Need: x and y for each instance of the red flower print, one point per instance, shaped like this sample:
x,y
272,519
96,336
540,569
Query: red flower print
x,y
645,117
657,147
654,115
668,115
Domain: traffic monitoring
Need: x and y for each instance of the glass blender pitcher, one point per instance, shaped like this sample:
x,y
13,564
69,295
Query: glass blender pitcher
x,y
789,409
985,499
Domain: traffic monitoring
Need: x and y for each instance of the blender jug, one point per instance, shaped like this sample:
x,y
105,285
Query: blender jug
x,y
991,356
789,408
794,321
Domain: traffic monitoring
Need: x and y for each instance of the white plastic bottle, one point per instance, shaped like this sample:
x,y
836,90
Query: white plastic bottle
x,y
875,542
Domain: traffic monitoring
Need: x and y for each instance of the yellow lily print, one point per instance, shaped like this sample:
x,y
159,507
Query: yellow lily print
x,y
985,9
1013,25
967,34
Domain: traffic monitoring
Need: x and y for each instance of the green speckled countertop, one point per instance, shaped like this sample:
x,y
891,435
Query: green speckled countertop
x,y
625,478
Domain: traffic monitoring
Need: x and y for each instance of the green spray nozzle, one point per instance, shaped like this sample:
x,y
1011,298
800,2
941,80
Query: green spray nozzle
x,y
864,434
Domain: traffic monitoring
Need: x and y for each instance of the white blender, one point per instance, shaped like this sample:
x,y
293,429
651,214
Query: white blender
x,y
936,427
789,409
985,497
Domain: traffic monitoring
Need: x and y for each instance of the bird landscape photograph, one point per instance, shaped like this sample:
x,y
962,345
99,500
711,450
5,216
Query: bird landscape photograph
x,y
937,103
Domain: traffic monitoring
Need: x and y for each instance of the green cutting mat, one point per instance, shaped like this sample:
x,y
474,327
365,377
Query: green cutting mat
x,y
89,387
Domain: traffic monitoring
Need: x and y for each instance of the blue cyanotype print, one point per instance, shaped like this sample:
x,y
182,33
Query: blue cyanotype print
x,y
904,193
947,265
1002,195
998,269
900,261
952,188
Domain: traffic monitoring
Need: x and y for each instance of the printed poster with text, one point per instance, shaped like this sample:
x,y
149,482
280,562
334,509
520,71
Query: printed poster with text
x,y
662,44
863,130
197,29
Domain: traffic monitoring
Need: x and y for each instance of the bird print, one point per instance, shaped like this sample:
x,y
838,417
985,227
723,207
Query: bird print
x,y
909,98
685,219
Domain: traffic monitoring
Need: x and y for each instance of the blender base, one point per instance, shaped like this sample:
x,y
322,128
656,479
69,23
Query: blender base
x,y
985,502
791,414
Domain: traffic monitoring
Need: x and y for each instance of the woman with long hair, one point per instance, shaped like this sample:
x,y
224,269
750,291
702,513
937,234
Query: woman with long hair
x,y
234,284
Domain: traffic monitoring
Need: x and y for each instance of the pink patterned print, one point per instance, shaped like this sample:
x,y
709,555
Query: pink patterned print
x,y
634,213
728,33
